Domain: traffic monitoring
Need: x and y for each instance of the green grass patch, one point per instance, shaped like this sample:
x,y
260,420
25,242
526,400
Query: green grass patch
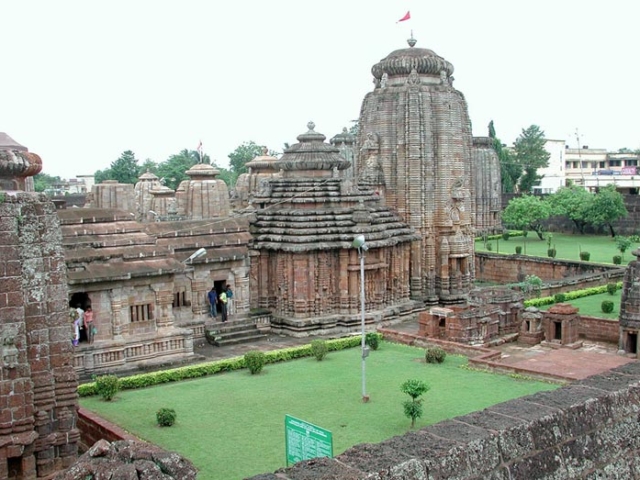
x,y
231,425
590,306
568,247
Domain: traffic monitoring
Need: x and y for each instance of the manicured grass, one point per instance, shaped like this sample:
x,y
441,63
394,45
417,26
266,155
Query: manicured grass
x,y
231,425
568,247
591,306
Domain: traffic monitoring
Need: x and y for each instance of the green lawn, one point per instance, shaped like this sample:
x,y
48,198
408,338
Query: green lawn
x,y
591,306
568,247
231,425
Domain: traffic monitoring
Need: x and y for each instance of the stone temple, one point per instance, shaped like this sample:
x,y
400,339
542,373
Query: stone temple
x,y
413,181
416,149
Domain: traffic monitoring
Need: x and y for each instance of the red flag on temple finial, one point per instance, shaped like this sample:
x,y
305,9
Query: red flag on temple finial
x,y
406,17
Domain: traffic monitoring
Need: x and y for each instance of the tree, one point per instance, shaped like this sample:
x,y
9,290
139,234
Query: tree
x,y
607,208
243,154
124,170
531,155
572,201
510,171
527,213
173,169
413,408
43,182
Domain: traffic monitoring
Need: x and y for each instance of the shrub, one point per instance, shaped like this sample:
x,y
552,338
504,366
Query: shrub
x,y
166,417
107,386
585,256
489,247
559,297
612,288
551,252
519,249
373,340
413,408
435,355
607,306
254,360
617,259
319,349
505,235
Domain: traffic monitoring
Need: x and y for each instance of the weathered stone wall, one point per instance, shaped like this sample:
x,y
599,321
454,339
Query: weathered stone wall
x,y
38,385
94,428
586,430
504,269
599,329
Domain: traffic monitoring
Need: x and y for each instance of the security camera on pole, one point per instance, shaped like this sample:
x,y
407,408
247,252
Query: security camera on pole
x,y
360,244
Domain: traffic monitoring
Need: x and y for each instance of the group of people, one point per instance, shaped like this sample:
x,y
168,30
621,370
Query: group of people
x,y
222,301
82,320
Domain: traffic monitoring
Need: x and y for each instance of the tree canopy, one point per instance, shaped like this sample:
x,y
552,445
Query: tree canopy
x,y
241,155
574,202
527,213
530,153
124,170
42,182
607,207
173,170
509,170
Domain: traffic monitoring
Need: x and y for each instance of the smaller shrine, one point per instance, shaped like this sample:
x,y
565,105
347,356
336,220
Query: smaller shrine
x,y
560,325
630,308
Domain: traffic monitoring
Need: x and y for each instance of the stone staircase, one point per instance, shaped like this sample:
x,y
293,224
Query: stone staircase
x,y
240,329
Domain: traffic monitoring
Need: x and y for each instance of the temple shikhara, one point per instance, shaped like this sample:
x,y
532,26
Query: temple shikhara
x,y
413,181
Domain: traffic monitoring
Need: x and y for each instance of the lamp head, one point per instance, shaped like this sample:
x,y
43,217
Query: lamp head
x,y
359,243
197,254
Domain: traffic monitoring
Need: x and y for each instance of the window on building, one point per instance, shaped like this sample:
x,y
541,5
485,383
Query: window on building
x,y
586,164
631,162
602,164
567,165
180,298
576,164
141,313
615,163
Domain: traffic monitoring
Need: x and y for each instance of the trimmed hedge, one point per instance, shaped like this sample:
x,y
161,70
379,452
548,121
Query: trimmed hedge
x,y
500,236
537,302
211,368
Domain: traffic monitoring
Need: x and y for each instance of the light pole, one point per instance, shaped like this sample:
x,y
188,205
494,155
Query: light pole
x,y
360,244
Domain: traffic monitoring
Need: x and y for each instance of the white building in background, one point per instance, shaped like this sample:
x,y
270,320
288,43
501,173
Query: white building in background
x,y
553,176
590,168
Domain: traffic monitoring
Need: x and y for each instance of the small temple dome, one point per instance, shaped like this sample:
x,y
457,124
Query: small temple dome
x,y
403,61
312,153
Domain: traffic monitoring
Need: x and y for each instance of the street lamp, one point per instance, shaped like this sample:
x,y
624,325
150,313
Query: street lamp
x,y
197,254
361,245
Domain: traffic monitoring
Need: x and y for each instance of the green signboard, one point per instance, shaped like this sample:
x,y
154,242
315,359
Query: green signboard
x,y
304,440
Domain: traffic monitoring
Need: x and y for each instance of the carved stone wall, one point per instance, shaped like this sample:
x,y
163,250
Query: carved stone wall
x,y
113,195
486,185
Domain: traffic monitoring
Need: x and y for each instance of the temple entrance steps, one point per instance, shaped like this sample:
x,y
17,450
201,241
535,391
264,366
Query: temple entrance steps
x,y
238,329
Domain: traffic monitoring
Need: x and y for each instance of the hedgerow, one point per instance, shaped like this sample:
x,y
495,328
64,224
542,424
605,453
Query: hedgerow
x,y
211,368
586,292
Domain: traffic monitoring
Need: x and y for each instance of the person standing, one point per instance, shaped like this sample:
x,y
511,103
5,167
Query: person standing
x,y
213,301
223,305
230,302
88,324
77,324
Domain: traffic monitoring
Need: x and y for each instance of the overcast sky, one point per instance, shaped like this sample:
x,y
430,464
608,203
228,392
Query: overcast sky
x,y
84,80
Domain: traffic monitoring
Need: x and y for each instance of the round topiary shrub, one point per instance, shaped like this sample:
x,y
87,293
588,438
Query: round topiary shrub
x,y
519,249
435,355
559,297
319,349
505,235
489,247
551,252
107,386
607,306
166,417
373,340
612,288
585,256
617,259
255,360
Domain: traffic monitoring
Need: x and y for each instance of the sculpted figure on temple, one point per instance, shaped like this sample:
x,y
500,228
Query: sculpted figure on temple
x,y
413,78
372,171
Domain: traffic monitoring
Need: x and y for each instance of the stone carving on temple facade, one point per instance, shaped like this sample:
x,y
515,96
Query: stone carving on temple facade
x,y
8,335
413,79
